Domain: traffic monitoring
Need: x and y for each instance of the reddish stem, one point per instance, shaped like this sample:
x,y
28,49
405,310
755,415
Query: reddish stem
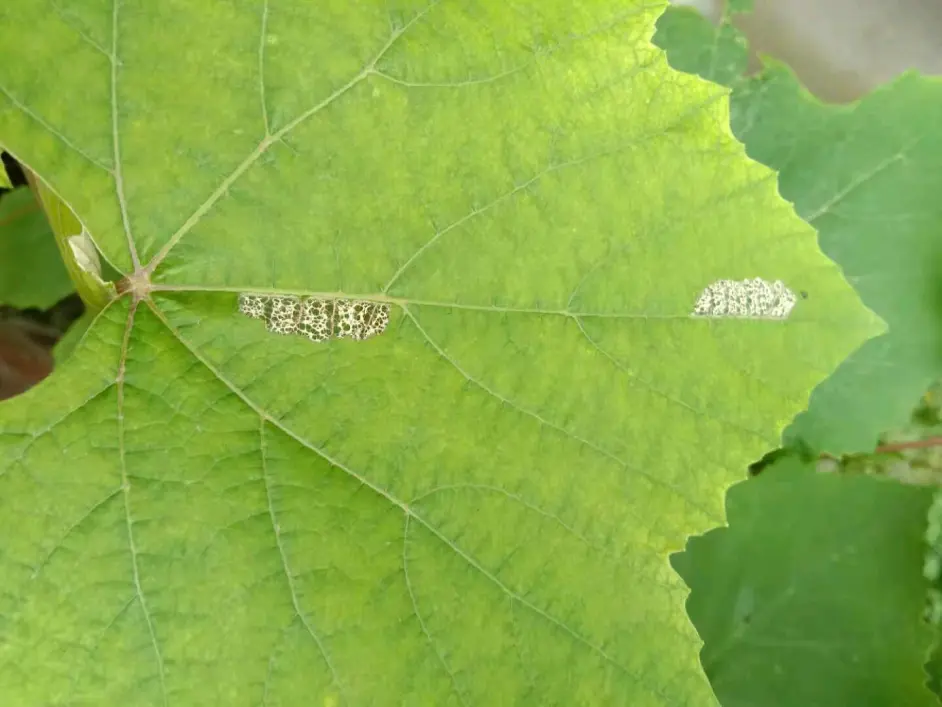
x,y
914,444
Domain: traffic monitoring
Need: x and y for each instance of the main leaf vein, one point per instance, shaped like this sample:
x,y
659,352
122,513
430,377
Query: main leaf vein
x,y
116,142
126,489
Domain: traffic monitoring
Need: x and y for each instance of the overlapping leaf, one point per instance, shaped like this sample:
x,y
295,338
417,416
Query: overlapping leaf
x,y
865,175
476,505
814,595
31,269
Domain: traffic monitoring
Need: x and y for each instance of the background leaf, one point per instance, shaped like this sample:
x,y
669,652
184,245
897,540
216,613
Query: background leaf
x,y
481,500
814,594
719,53
865,176
31,269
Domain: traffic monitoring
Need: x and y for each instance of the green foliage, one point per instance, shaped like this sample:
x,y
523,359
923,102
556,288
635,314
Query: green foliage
x,y
478,502
814,594
866,177
31,270
718,53
932,570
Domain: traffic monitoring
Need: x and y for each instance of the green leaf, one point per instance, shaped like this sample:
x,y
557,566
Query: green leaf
x,y
718,53
865,176
481,499
932,570
31,270
814,595
874,198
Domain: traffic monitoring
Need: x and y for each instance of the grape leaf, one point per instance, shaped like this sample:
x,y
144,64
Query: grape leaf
x,y
814,595
865,176
480,500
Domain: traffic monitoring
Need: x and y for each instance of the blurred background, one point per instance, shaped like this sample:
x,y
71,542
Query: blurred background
x,y
841,49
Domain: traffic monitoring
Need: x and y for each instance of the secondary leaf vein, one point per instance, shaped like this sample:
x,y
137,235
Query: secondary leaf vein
x,y
68,21
418,614
289,576
568,433
670,398
53,131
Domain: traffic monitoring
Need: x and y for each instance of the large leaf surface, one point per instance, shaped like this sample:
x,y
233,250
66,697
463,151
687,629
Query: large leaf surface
x,y
475,506
814,595
866,176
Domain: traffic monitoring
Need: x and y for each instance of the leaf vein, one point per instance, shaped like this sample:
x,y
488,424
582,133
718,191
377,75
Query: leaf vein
x,y
97,506
116,142
126,489
66,19
98,639
862,179
23,108
261,68
418,615
488,488
657,391
562,430
575,635
35,436
289,577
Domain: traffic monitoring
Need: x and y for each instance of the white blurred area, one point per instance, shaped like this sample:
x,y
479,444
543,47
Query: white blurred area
x,y
842,48
709,8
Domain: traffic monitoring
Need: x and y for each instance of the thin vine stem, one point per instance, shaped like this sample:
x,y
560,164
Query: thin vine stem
x,y
913,444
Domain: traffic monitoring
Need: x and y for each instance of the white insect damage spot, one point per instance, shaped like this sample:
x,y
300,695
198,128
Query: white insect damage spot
x,y
86,254
317,318
745,299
